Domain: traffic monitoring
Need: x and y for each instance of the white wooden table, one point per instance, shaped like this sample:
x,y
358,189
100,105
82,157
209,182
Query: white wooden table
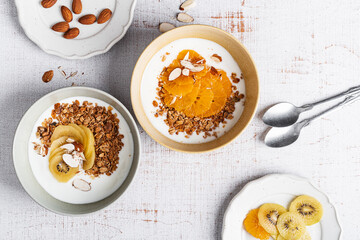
x,y
304,50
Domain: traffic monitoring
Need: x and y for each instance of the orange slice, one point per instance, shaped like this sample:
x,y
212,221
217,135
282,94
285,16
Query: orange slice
x,y
203,101
178,90
181,103
252,226
225,81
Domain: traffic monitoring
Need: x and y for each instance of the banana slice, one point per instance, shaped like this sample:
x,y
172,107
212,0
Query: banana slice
x,y
291,226
308,208
268,216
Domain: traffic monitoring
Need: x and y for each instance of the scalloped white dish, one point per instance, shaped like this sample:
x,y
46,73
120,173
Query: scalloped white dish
x,y
281,189
93,39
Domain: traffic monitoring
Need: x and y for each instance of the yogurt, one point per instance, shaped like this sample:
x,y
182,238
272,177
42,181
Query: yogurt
x,y
102,186
149,83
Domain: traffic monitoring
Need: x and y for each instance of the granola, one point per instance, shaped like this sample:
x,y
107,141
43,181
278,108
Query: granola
x,y
100,120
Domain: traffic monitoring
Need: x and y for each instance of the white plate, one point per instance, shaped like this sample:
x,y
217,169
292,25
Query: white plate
x,y
93,39
281,189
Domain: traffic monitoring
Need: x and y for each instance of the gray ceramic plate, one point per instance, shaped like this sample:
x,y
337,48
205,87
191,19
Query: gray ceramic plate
x,y
21,159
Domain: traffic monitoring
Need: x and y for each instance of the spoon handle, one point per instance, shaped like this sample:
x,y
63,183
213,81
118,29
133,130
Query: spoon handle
x,y
346,93
347,100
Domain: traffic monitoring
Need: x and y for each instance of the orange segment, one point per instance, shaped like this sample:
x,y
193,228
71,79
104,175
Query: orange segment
x,y
252,226
225,81
220,97
181,103
203,101
178,90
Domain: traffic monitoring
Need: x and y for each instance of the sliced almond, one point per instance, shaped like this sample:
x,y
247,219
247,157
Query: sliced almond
x,y
188,4
186,56
69,147
69,160
70,140
184,17
216,58
81,184
164,27
187,64
185,72
175,74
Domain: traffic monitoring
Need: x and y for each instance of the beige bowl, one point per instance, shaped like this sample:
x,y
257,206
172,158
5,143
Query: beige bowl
x,y
238,52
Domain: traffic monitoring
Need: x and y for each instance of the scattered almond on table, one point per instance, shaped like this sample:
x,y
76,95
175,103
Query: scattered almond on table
x,y
184,17
48,76
181,17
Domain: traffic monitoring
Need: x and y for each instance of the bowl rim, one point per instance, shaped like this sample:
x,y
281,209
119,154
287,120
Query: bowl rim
x,y
164,35
132,172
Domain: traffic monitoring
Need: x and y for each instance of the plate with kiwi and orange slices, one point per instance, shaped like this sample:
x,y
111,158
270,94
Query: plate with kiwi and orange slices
x,y
280,207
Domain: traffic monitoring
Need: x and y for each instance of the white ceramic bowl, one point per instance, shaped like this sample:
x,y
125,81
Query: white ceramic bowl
x,y
281,189
93,39
21,158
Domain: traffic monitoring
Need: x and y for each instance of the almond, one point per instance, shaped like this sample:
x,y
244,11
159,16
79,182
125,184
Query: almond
x,y
48,76
184,17
66,13
81,184
48,3
87,19
77,6
61,27
175,74
72,33
104,16
164,27
216,58
187,5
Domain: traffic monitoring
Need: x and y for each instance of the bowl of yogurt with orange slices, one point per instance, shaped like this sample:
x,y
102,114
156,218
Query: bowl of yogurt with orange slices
x,y
194,88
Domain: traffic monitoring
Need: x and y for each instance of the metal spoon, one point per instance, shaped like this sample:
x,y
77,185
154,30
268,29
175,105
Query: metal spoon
x,y
285,114
281,137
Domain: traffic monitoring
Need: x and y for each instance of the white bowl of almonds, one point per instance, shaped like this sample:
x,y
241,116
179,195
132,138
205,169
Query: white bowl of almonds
x,y
75,29
80,150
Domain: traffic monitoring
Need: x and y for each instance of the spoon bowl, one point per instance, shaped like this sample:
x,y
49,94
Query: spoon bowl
x,y
282,115
281,137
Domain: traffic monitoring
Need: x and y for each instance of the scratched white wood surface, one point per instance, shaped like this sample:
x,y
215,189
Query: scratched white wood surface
x,y
304,50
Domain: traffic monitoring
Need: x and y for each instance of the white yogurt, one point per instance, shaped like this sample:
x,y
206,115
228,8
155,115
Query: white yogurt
x,y
102,186
149,83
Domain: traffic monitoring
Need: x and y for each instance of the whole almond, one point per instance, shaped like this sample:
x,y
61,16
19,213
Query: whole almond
x,y
72,33
77,6
66,13
48,76
87,19
61,27
48,3
104,16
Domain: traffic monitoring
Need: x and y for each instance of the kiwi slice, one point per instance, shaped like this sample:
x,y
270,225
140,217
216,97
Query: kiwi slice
x,y
89,148
306,236
308,208
68,131
291,226
60,170
268,216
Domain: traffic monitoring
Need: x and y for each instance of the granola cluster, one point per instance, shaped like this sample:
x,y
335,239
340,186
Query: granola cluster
x,y
101,121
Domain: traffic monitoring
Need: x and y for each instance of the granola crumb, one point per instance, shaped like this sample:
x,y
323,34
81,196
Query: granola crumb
x,y
155,103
